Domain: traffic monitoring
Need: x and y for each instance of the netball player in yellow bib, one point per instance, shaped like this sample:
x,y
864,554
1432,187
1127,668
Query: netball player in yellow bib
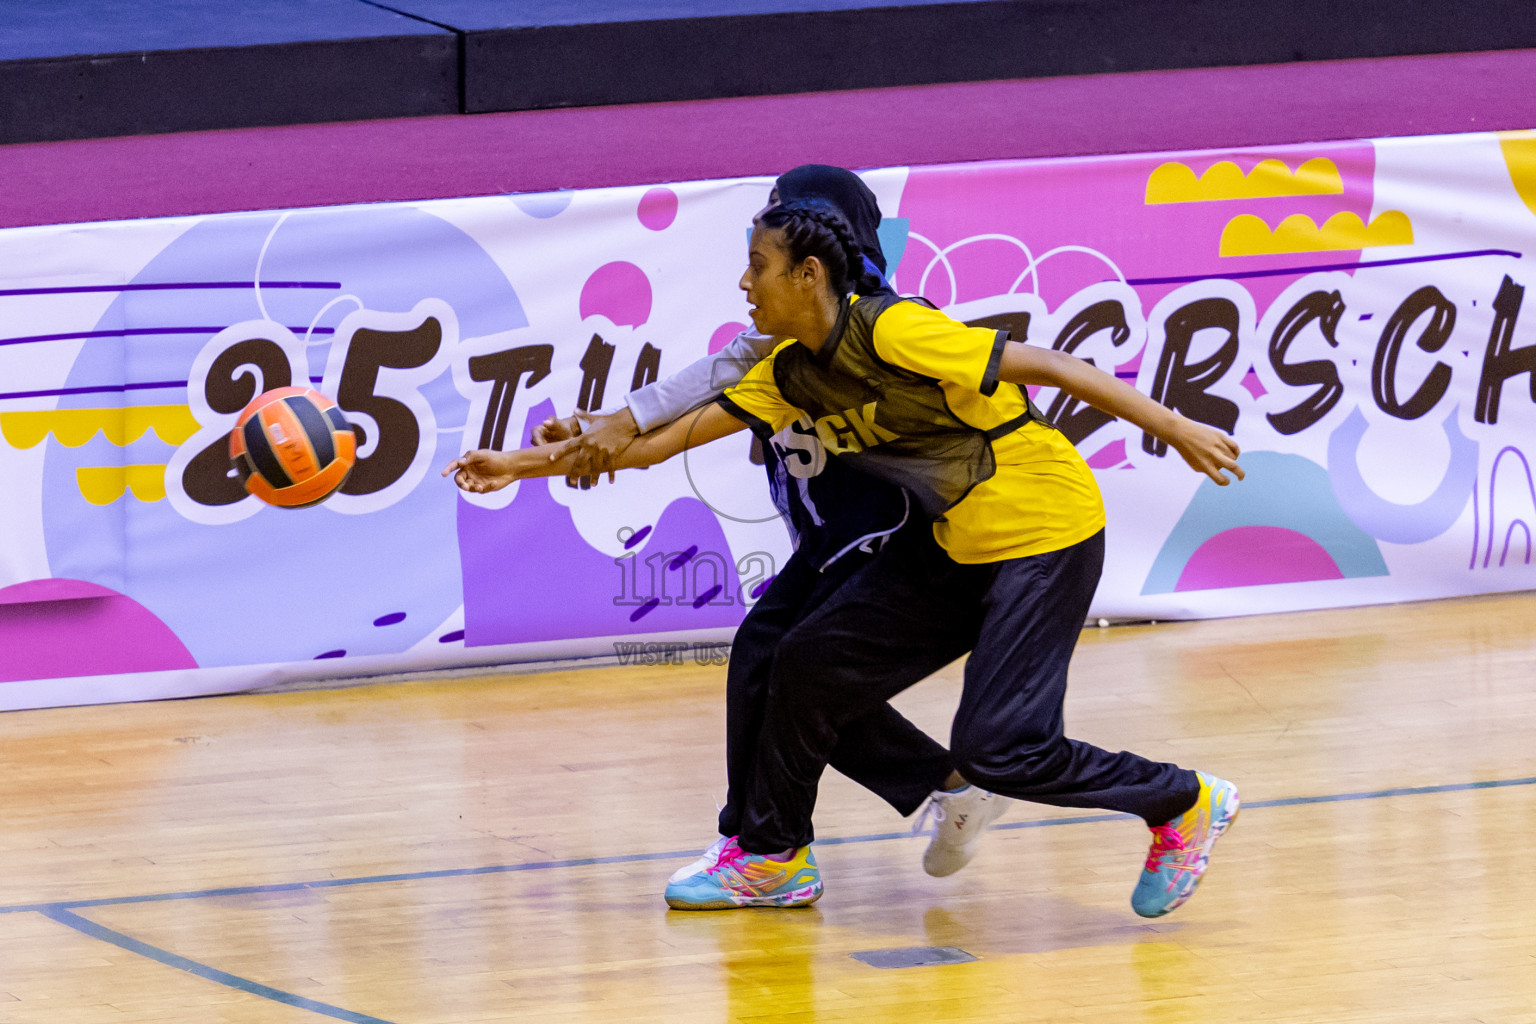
x,y
906,394
837,518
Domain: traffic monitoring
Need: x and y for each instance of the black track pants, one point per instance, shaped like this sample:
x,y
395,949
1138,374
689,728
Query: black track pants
x,y
911,611
879,749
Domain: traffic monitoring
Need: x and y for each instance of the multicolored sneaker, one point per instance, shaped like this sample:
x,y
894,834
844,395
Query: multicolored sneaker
x,y
741,879
958,817
1181,849
706,859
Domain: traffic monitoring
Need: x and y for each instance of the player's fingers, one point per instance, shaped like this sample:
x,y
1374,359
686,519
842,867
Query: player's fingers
x,y
599,460
1215,472
454,466
565,448
582,459
554,429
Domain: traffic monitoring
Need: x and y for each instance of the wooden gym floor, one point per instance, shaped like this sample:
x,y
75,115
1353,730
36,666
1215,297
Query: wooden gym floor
x,y
494,849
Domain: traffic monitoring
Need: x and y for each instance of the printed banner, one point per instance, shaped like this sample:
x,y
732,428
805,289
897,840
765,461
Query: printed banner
x,y
1351,312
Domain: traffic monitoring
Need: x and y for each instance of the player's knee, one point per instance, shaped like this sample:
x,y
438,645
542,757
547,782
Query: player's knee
x,y
1016,761
795,660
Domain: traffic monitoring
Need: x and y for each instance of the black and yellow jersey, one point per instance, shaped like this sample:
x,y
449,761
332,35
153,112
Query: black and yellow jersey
x,y
909,395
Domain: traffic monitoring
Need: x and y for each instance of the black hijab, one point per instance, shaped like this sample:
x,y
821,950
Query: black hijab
x,y
843,189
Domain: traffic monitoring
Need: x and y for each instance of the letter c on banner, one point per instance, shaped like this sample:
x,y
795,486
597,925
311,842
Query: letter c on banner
x,y
1387,520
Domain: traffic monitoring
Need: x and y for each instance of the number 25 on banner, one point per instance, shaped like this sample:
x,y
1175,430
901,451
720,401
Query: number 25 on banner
x,y
377,364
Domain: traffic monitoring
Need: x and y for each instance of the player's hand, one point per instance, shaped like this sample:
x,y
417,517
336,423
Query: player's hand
x,y
596,444
482,470
556,428
1206,449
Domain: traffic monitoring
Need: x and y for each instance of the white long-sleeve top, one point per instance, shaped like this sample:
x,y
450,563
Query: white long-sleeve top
x,y
701,381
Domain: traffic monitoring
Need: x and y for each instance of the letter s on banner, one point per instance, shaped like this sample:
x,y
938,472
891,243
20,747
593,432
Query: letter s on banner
x,y
237,364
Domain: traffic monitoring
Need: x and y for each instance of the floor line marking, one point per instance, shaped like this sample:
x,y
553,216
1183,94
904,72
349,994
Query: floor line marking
x,y
637,858
201,970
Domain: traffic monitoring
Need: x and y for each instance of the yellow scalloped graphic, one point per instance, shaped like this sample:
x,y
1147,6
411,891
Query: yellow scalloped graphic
x,y
102,485
1247,235
1175,182
1519,149
173,424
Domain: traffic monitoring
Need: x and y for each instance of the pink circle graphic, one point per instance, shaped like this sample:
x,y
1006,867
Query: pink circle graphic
x,y
51,629
620,291
658,208
1248,556
724,335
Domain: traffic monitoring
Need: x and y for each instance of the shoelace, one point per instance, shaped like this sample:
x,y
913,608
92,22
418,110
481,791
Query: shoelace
x,y
1165,840
730,858
931,812
730,869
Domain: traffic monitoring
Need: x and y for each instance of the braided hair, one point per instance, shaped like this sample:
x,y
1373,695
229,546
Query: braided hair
x,y
847,192
814,227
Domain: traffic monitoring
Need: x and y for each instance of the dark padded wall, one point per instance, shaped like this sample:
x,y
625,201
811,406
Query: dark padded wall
x,y
87,68
519,67
231,87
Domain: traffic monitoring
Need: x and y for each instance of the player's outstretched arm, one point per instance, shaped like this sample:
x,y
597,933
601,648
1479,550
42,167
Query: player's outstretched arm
x,y
1206,449
485,470
595,438
602,436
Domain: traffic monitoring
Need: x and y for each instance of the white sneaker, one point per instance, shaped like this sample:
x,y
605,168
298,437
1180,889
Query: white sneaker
x,y
959,817
706,860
